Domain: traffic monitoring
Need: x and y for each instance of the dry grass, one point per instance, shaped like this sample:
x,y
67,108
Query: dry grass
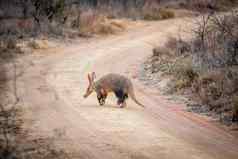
x,y
39,44
122,24
109,27
94,23
158,14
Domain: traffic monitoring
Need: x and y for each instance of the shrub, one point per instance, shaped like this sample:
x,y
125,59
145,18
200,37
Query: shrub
x,y
178,46
217,90
184,72
202,4
169,62
215,43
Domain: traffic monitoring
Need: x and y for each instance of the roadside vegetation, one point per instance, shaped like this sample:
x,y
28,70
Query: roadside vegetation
x,y
72,18
205,68
77,18
61,17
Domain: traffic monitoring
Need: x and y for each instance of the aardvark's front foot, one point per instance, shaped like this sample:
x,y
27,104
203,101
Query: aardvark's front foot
x,y
102,101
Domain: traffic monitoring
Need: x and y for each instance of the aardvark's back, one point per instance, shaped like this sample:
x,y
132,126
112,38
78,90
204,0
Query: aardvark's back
x,y
114,82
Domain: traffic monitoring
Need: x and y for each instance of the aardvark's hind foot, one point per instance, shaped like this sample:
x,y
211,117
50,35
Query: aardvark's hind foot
x,y
122,105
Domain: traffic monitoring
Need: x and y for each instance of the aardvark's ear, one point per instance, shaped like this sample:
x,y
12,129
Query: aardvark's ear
x,y
93,76
89,79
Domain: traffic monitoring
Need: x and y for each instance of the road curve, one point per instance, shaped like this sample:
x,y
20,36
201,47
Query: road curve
x,y
52,89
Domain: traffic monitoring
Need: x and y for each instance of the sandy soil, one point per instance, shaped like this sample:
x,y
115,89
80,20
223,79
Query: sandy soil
x,y
52,90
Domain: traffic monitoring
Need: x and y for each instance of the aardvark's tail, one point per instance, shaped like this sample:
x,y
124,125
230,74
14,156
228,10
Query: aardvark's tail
x,y
133,97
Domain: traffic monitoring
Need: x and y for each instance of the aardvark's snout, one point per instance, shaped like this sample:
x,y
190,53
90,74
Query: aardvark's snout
x,y
85,95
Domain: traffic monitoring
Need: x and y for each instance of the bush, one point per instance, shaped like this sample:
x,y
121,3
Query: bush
x,y
178,46
216,90
183,72
209,5
183,69
214,55
216,42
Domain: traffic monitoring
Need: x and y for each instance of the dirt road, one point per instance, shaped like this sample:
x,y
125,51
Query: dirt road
x,y
53,87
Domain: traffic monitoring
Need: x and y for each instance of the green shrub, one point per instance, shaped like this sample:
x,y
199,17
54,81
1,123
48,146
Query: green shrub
x,y
183,69
184,73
